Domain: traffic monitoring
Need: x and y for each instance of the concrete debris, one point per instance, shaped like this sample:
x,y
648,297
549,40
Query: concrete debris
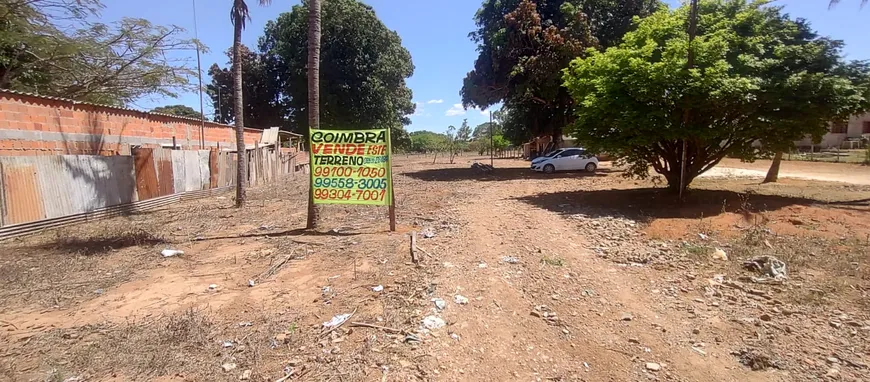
x,y
653,366
433,322
482,167
768,266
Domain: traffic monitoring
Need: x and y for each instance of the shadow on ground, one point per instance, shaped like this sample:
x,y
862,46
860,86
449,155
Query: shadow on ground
x,y
510,173
647,204
102,242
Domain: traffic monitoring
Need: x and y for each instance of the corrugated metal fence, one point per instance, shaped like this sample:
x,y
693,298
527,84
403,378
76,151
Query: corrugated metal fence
x,y
38,188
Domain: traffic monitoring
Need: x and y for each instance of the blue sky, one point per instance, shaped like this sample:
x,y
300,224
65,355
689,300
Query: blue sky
x,y
436,34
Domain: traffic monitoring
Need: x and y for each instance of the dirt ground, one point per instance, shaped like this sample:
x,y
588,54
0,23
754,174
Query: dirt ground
x,y
829,172
568,277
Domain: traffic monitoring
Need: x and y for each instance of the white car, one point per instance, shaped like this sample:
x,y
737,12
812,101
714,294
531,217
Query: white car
x,y
567,159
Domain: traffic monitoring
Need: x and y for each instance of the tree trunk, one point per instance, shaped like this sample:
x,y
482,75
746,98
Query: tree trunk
x,y
313,92
773,173
241,171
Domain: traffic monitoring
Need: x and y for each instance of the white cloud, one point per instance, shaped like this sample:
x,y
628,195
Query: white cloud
x,y
457,109
419,110
484,113
436,101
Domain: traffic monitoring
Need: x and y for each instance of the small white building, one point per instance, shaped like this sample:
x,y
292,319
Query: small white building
x,y
843,135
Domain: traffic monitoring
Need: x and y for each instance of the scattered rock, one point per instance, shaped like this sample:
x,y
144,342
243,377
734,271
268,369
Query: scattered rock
x,y
653,366
626,317
439,303
833,360
510,259
246,375
719,254
229,366
765,317
460,299
433,322
212,287
294,362
833,373
633,341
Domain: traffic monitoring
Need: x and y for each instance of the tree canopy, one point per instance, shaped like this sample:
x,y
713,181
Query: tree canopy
x,y
261,92
758,76
362,73
523,45
51,47
426,141
179,110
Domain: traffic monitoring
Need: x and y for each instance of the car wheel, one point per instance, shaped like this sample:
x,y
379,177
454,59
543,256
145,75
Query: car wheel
x,y
591,167
549,169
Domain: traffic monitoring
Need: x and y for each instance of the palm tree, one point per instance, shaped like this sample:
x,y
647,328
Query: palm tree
x,y
834,3
238,15
313,91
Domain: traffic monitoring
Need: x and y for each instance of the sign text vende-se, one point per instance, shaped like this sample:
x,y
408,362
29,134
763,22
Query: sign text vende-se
x,y
350,167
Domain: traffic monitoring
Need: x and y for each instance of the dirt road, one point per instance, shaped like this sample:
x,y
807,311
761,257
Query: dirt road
x,y
828,172
567,277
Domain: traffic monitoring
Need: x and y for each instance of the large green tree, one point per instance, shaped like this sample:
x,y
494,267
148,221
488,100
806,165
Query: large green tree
x,y
362,72
523,45
53,47
261,92
758,76
179,110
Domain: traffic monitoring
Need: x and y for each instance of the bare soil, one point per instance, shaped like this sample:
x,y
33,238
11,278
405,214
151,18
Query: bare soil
x,y
570,277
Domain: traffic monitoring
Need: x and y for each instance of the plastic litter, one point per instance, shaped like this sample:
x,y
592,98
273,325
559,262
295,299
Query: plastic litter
x,y
251,283
227,344
336,320
460,299
171,252
212,286
428,233
379,288
719,254
767,265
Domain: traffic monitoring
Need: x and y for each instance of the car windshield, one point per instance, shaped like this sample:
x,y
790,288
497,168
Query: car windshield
x,y
554,153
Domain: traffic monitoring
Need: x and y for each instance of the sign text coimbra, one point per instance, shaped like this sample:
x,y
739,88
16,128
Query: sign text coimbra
x,y
350,167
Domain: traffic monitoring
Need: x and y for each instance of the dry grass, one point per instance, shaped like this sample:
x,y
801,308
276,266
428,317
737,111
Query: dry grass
x,y
71,265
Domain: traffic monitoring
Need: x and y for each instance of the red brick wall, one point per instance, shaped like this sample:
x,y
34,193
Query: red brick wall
x,y
34,125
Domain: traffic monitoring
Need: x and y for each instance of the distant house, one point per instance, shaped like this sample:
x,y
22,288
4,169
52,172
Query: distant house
x,y
544,144
844,135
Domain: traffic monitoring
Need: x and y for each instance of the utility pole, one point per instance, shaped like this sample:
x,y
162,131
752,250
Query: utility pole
x,y
199,74
690,63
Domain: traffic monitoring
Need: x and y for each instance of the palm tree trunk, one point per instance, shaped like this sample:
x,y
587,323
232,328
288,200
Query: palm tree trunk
x,y
313,92
241,171
773,173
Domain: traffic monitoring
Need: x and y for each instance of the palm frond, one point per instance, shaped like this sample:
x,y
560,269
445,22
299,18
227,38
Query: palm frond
x,y
833,3
240,11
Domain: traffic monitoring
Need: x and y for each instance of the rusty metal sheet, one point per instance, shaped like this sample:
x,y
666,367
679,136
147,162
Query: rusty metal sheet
x,y
163,164
212,169
23,201
146,173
